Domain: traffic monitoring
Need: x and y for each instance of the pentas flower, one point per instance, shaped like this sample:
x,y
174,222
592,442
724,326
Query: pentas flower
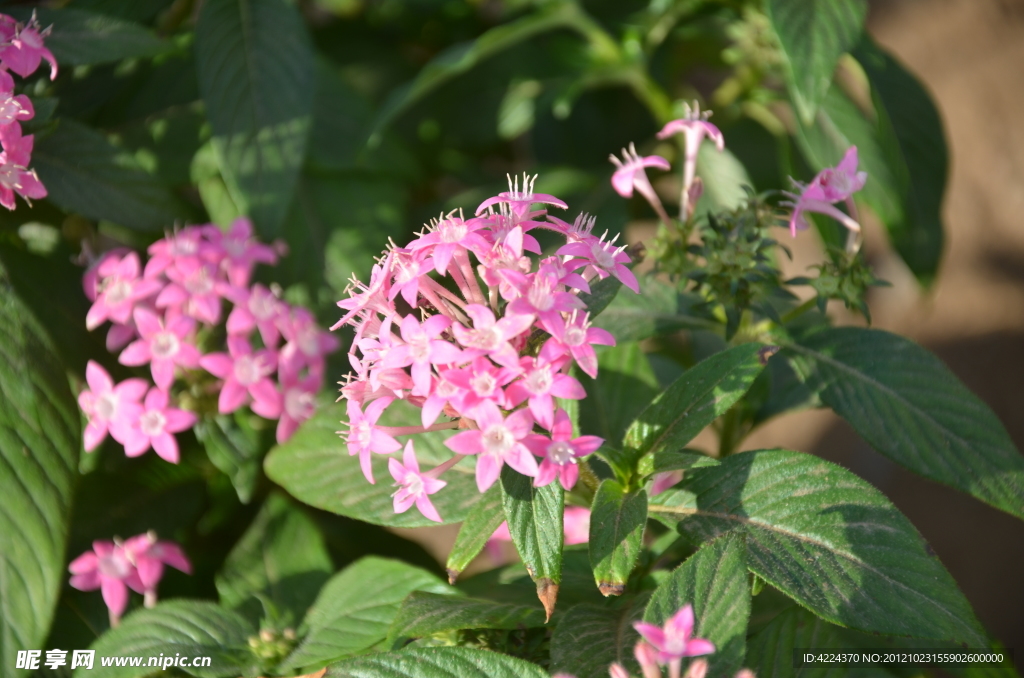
x,y
831,185
414,487
164,316
149,555
23,47
694,127
467,325
674,641
560,452
631,174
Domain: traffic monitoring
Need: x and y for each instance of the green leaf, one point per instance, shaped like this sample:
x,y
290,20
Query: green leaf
x,y
423,614
534,516
477,528
714,580
657,310
436,662
280,558
704,392
602,293
827,539
912,134
194,628
625,383
589,638
617,520
85,173
234,447
671,460
813,35
911,408
724,178
315,467
460,58
256,75
356,607
83,38
39,443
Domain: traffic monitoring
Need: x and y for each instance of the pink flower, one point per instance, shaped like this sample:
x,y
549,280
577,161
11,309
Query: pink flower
x,y
149,557
489,337
25,49
576,338
413,486
162,345
498,442
246,375
447,237
258,308
154,428
195,288
541,383
829,186
675,640
241,251
842,181
605,257
576,525
521,201
372,297
298,403
694,127
408,268
560,452
540,294
107,405
442,392
364,436
107,568
631,174
183,247
13,107
118,291
481,381
306,344
422,349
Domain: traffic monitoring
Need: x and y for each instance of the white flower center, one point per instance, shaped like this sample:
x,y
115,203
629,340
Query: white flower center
x,y
118,292
263,306
152,423
9,110
248,370
451,232
603,257
184,247
414,485
199,283
539,294
575,335
487,339
560,452
483,384
164,345
497,440
539,380
112,566
309,340
106,406
360,435
298,404
419,348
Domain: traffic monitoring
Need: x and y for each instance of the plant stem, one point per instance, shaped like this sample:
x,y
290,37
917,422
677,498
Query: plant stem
x,y
795,313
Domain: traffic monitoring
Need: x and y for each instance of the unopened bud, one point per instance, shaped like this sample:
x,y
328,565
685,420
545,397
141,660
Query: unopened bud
x,y
617,670
698,669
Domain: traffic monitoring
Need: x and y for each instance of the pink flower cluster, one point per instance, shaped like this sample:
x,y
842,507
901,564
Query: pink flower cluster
x,y
21,52
488,345
158,315
831,185
116,566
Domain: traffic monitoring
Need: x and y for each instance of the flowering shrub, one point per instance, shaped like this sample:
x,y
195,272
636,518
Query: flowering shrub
x,y
570,390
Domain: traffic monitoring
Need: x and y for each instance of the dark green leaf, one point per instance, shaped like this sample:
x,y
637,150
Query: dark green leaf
x,y
423,614
315,467
480,524
281,558
617,520
234,447
704,392
827,539
912,134
589,638
39,444
534,516
813,35
657,310
671,460
912,409
85,173
194,628
436,662
356,607
625,384
602,293
714,580
256,75
82,38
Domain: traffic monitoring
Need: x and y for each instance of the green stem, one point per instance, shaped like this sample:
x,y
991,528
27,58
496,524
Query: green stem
x,y
730,436
795,313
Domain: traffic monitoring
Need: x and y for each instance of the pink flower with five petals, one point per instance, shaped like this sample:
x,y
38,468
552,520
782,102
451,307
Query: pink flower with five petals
x,y
560,452
675,640
541,383
149,555
107,405
107,568
118,290
154,427
422,349
497,442
246,376
414,487
163,345
576,338
364,436
491,337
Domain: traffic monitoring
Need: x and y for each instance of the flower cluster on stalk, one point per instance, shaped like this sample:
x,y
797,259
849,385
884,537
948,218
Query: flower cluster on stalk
x,y
464,324
116,566
21,52
163,314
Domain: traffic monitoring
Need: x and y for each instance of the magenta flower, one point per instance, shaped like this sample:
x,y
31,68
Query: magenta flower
x,y
631,174
449,236
298,403
107,568
119,291
246,375
240,250
258,308
675,640
162,346
409,268
605,257
521,201
541,295
481,381
306,344
829,186
694,127
372,297
195,289
576,338
149,556
13,107
490,337
107,405
24,49
842,181
364,436
498,442
183,247
422,349
154,428
413,486
542,382
560,452
442,392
